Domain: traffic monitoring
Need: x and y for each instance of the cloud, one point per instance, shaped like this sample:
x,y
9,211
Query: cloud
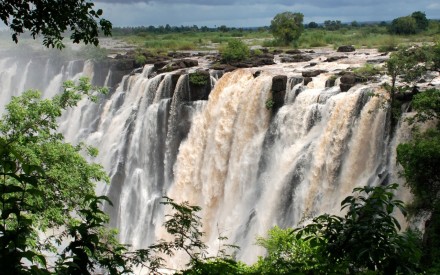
x,y
253,13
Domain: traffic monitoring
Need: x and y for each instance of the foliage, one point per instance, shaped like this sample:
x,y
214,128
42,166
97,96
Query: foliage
x,y
269,104
409,64
184,225
427,105
236,50
420,159
404,25
140,59
421,20
199,79
47,186
51,20
312,25
286,254
367,71
332,25
287,27
414,23
366,238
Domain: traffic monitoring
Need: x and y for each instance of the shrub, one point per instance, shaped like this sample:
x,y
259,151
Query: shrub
x,y
269,104
367,71
236,50
198,79
140,59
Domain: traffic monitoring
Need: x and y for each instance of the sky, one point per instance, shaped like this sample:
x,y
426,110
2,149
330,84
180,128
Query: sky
x,y
255,13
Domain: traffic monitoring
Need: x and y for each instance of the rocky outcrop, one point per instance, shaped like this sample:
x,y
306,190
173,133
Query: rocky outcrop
x,y
295,58
334,58
175,65
294,51
348,80
346,49
199,86
279,84
312,73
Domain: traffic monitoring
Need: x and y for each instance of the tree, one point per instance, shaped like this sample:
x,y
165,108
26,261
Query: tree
x,y
408,64
47,186
287,27
332,25
421,20
312,25
52,19
367,238
403,25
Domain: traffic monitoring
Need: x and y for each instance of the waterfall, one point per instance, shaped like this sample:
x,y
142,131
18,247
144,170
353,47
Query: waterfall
x,y
248,167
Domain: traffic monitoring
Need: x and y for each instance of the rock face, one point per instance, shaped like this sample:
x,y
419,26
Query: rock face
x,y
279,84
199,86
346,49
348,80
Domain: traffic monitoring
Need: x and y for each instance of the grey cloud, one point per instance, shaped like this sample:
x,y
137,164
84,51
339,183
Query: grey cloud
x,y
315,3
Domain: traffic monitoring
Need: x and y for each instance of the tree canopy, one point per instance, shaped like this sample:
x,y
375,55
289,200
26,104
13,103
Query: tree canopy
x,y
287,26
52,19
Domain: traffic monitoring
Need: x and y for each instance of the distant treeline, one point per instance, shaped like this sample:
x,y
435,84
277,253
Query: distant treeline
x,y
330,25
176,29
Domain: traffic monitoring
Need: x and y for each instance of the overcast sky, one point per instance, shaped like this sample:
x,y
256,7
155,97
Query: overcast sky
x,y
253,13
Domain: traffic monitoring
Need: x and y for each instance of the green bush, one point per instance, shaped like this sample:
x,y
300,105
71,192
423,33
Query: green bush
x,y
269,104
140,59
198,79
236,50
367,71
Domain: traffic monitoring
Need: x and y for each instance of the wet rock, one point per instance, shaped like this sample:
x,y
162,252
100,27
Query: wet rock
x,y
160,64
295,58
348,80
307,80
190,63
178,54
199,86
277,51
334,58
294,51
125,64
175,65
330,82
346,49
312,73
279,83
223,67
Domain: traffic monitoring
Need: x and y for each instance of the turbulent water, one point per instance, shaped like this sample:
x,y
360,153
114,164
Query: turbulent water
x,y
247,167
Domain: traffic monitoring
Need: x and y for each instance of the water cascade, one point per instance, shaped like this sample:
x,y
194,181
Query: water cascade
x,y
247,166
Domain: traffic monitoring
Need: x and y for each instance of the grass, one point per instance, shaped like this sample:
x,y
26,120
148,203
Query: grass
x,y
372,36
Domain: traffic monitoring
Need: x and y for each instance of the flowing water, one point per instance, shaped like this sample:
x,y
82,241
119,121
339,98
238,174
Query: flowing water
x,y
247,167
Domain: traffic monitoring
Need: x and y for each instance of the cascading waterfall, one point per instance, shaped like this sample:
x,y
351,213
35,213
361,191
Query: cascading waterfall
x,y
248,168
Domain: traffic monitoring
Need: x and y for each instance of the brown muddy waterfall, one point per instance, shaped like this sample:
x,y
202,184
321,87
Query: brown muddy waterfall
x,y
248,167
